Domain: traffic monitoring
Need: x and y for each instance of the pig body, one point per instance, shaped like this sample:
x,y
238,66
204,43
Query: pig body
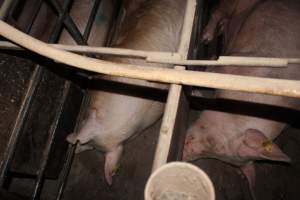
x,y
223,13
269,29
115,117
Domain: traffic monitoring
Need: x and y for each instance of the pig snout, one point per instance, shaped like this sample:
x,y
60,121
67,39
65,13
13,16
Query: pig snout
x,y
90,127
189,152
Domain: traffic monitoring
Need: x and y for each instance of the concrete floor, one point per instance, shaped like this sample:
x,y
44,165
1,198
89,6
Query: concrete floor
x,y
274,180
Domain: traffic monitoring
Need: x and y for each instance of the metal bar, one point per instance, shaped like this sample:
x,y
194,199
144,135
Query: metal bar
x,y
230,61
5,8
67,21
98,50
168,123
71,150
47,151
35,13
271,86
65,171
11,146
59,22
114,23
91,20
169,57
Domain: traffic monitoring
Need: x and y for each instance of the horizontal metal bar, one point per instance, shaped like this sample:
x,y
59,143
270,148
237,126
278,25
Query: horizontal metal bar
x,y
169,57
230,60
98,50
271,86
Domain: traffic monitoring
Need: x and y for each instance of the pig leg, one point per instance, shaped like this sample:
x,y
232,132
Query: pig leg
x,y
249,172
111,163
81,148
217,18
73,138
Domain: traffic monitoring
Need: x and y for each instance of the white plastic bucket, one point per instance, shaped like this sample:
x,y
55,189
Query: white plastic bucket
x,y
179,181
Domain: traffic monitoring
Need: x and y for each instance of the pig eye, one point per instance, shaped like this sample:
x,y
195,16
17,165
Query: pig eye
x,y
202,127
190,137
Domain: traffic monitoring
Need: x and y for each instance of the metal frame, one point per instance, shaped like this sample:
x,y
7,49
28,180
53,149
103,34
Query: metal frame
x,y
176,77
169,57
63,20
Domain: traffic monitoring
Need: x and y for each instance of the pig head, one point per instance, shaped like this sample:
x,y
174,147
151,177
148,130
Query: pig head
x,y
266,29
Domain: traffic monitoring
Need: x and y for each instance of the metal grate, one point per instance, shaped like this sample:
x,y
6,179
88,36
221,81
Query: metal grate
x,y
64,20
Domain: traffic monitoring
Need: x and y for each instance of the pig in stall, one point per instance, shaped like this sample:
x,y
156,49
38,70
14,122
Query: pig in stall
x,y
112,118
251,28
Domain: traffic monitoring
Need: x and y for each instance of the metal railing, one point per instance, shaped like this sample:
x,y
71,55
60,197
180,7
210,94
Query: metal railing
x,y
63,21
176,77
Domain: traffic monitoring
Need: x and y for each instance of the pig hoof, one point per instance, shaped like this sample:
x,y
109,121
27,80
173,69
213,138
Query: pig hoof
x,y
207,36
80,148
72,138
111,163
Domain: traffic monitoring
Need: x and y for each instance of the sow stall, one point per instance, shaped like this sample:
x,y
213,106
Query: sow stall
x,y
53,156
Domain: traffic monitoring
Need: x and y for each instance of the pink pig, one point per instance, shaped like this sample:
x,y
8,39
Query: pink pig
x,y
267,29
114,117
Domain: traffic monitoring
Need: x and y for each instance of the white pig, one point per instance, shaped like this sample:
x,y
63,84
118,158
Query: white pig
x,y
268,29
112,117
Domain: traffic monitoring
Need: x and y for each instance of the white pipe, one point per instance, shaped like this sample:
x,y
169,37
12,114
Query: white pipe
x,y
169,57
271,86
168,121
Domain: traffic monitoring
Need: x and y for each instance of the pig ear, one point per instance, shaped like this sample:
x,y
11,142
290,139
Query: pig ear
x,y
257,146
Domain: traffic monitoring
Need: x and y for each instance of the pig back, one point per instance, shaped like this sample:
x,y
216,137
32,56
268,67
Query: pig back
x,y
155,26
271,29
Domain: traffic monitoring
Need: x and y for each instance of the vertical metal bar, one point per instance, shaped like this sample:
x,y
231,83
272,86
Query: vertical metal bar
x,y
168,123
116,17
71,150
5,8
11,146
91,20
62,181
35,13
59,22
46,153
67,20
